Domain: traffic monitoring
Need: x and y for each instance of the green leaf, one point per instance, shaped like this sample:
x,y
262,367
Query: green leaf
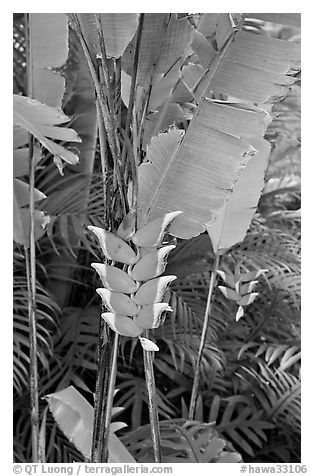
x,y
290,19
74,416
184,442
21,216
48,36
253,68
218,144
164,40
118,30
233,219
21,190
34,117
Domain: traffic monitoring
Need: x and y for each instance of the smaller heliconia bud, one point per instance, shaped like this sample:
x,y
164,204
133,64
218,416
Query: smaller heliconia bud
x,y
123,325
115,279
229,293
153,290
151,265
248,299
252,275
149,316
247,287
148,344
127,226
151,235
113,247
118,303
227,277
240,313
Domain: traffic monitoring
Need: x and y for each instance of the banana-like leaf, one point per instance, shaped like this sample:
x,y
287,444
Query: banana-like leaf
x,y
74,416
48,37
197,172
233,219
254,68
118,30
289,19
41,121
21,223
164,40
21,218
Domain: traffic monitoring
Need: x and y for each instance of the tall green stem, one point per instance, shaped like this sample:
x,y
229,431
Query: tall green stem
x,y
103,402
152,401
106,420
30,258
203,339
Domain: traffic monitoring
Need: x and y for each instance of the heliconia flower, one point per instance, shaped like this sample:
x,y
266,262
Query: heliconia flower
x,y
148,344
151,265
123,325
115,279
153,291
229,293
127,226
252,275
227,277
118,303
149,317
113,247
240,313
247,287
247,299
151,234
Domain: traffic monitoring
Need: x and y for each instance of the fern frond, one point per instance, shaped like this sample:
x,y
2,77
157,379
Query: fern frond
x,y
182,442
237,418
279,394
47,319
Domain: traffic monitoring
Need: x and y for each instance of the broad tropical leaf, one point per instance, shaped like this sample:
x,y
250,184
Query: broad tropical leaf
x,y
74,416
41,121
21,216
118,30
290,19
218,150
164,41
48,37
233,219
215,144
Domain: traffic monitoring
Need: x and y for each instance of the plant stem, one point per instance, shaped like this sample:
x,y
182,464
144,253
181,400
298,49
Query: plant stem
x,y
152,401
105,354
203,338
106,420
30,259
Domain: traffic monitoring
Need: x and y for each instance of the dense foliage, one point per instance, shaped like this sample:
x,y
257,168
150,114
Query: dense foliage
x,y
250,374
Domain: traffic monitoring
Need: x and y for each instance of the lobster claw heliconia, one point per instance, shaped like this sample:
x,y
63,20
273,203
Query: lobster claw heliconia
x,y
134,297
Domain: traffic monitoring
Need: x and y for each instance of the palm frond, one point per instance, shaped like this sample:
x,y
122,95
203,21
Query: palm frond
x,y
47,320
133,396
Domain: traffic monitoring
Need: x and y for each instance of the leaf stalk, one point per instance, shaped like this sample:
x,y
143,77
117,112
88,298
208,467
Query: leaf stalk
x,y
196,379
